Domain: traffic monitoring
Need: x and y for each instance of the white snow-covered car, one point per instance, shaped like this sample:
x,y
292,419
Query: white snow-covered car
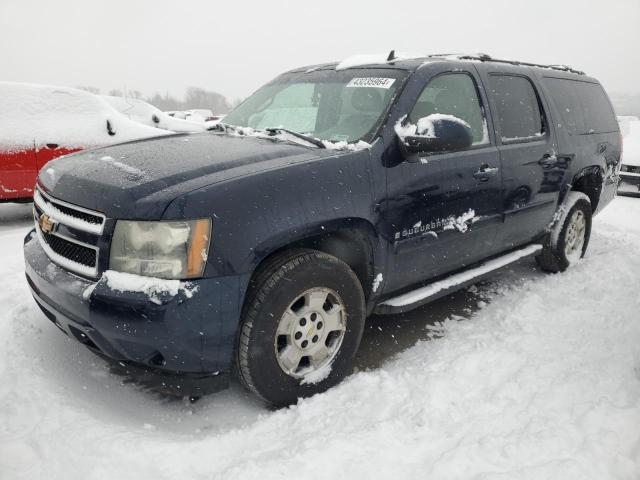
x,y
39,123
145,113
630,171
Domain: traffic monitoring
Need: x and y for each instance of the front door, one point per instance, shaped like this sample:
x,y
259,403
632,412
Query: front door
x,y
443,210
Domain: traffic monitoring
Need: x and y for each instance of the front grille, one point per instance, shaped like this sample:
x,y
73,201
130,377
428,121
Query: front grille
x,y
630,168
74,247
84,219
87,217
70,250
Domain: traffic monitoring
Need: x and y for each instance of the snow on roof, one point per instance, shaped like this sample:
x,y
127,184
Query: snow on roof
x,y
69,117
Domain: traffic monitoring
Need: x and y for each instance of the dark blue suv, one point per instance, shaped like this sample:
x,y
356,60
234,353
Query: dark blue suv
x,y
334,191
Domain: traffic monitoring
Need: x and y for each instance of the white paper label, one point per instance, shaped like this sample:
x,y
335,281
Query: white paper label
x,y
371,82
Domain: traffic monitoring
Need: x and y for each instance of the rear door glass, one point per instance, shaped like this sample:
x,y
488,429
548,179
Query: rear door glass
x,y
584,107
518,108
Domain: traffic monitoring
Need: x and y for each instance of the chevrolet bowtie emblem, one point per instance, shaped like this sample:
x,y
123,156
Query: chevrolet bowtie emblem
x,y
46,224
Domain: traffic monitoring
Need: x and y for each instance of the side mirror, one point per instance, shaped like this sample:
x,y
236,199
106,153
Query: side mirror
x,y
110,129
434,133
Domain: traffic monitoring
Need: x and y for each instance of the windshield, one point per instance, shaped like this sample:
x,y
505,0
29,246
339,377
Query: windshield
x,y
330,105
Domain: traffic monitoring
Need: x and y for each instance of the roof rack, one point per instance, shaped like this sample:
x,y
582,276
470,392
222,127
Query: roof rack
x,y
483,57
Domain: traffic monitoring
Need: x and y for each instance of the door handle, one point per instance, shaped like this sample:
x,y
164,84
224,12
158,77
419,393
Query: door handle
x,y
548,160
485,172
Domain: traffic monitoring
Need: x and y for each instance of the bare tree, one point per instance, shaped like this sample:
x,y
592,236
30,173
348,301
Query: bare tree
x,y
90,89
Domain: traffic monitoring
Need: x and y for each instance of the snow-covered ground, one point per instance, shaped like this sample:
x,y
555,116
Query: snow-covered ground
x,y
540,380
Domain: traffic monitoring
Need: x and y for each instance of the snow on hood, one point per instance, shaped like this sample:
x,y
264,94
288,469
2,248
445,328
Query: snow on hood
x,y
70,117
631,145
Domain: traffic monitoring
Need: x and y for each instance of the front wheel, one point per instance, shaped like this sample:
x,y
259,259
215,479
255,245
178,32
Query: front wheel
x,y
302,324
569,237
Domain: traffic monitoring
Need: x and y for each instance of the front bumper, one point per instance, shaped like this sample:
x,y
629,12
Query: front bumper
x,y
181,335
629,184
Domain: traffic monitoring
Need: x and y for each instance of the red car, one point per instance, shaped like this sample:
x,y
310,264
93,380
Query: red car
x,y
39,123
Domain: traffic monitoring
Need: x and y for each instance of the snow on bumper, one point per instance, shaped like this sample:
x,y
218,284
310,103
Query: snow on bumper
x,y
189,330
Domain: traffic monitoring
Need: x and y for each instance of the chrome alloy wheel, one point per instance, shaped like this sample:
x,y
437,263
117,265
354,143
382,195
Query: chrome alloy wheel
x,y
310,332
575,236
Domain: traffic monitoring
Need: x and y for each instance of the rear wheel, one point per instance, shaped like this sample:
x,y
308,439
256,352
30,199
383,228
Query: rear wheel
x,y
568,240
302,324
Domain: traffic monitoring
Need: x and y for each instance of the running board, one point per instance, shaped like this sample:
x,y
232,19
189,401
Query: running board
x,y
415,298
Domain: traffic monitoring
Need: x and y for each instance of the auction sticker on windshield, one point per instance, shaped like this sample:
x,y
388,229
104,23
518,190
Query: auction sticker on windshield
x,y
371,82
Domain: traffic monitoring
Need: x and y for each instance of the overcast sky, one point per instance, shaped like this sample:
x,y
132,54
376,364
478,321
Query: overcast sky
x,y
233,47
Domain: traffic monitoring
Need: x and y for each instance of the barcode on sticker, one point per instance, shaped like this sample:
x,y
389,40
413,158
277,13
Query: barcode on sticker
x,y
371,82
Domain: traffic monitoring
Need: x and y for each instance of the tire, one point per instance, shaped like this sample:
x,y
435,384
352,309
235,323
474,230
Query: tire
x,y
283,309
569,238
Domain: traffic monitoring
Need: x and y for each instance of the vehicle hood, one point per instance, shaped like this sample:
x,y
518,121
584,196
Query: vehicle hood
x,y
137,180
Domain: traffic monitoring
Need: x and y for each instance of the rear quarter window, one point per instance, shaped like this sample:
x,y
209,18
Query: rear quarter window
x,y
584,106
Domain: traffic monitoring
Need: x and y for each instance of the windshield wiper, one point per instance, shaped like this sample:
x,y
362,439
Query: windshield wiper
x,y
301,136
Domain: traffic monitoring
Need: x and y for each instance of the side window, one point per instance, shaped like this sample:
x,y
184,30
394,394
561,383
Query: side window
x,y
598,113
453,94
565,96
518,108
584,107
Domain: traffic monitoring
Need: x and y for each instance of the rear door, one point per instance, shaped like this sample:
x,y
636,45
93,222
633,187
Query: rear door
x,y
443,210
532,172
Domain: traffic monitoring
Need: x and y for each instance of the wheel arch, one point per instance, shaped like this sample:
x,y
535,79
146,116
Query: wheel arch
x,y
352,240
589,181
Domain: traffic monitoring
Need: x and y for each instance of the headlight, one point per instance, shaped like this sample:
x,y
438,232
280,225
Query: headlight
x,y
172,250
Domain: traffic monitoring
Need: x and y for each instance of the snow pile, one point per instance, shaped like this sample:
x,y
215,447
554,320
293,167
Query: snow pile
x,y
631,144
317,375
343,145
425,126
543,381
155,288
461,222
69,117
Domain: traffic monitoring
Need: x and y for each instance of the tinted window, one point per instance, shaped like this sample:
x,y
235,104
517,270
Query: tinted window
x,y
565,96
598,113
453,94
518,107
584,107
331,105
